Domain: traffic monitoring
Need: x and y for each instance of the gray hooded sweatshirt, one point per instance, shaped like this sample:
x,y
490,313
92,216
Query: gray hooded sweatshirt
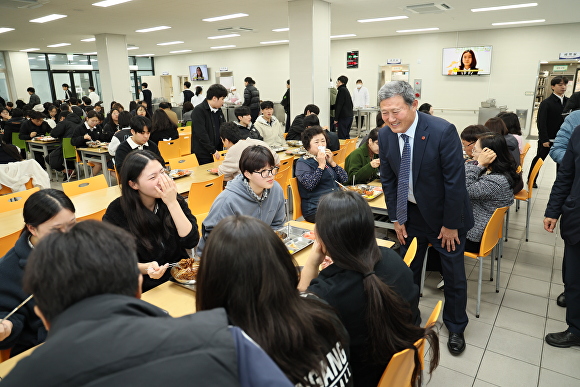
x,y
237,199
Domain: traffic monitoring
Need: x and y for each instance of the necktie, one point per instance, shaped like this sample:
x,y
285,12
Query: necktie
x,y
403,183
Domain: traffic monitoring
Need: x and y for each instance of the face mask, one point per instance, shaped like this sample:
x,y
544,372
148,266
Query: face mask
x,y
359,85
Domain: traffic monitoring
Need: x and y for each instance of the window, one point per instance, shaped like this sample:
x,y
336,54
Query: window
x,y
37,61
40,81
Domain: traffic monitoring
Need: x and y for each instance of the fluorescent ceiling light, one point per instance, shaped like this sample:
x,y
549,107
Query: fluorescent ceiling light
x,y
145,55
275,41
153,29
132,48
30,49
519,22
59,45
5,29
504,7
281,29
170,43
90,53
382,19
228,46
420,30
223,36
179,51
108,3
225,17
48,18
342,36
88,40
544,62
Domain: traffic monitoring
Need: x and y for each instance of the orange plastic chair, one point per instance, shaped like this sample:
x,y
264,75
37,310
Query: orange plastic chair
x,y
432,320
200,218
283,178
489,240
85,185
15,200
7,242
285,134
339,156
296,200
526,196
411,251
185,144
524,153
399,371
6,190
169,149
184,162
202,194
4,355
95,216
184,130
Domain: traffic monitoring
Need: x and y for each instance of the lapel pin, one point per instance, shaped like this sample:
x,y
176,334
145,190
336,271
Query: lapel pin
x,y
422,138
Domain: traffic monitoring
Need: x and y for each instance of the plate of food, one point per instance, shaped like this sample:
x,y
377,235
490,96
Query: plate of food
x,y
178,173
44,138
185,272
296,152
295,238
279,148
104,145
294,142
368,192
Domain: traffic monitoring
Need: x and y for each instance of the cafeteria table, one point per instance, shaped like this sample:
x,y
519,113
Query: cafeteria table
x,y
43,147
95,155
367,112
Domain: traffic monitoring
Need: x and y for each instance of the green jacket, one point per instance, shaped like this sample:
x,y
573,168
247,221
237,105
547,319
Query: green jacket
x,y
333,93
358,165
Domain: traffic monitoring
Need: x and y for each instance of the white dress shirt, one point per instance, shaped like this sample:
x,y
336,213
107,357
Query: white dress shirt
x,y
411,133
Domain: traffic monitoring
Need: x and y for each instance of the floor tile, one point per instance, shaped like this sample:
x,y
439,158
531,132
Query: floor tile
x,y
565,361
505,371
556,312
443,376
530,258
556,276
531,271
487,314
477,333
481,383
529,285
467,363
538,248
521,322
550,378
516,345
526,302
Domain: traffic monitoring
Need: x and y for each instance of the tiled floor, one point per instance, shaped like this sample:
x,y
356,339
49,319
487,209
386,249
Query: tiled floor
x,y
505,346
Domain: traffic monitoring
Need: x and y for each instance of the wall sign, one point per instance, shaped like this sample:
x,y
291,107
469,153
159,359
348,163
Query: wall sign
x,y
570,55
561,68
352,60
223,69
394,61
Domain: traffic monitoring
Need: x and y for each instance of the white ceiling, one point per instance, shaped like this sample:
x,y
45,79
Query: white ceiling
x,y
185,19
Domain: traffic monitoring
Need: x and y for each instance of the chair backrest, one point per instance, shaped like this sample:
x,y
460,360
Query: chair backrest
x,y
15,200
339,155
7,242
184,162
94,216
350,146
285,134
200,218
68,150
184,129
524,153
169,149
399,371
185,144
202,194
432,320
493,229
221,160
6,190
296,201
533,175
411,251
283,178
18,142
351,140
85,185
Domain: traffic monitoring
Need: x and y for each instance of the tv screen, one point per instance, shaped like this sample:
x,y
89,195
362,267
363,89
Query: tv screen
x,y
470,60
198,73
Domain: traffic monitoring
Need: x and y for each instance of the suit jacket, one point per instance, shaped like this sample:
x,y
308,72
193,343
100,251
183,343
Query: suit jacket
x,y
564,199
550,117
438,173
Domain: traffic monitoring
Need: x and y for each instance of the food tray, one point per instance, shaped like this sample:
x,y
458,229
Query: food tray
x,y
376,191
178,173
296,152
174,271
294,239
279,148
294,142
44,138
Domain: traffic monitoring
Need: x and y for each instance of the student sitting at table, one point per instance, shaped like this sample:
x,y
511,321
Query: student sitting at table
x,y
35,126
139,140
245,125
151,209
254,192
162,128
89,131
295,131
269,127
316,171
233,140
9,153
362,165
102,334
333,142
371,288
44,211
247,269
122,134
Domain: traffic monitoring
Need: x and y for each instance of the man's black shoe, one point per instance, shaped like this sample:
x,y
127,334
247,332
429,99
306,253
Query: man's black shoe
x,y
561,300
456,343
535,185
564,339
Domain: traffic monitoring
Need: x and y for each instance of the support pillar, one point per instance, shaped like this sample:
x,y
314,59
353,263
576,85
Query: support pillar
x,y
114,69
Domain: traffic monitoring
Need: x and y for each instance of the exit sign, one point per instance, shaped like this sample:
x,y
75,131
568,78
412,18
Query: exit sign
x,y
561,68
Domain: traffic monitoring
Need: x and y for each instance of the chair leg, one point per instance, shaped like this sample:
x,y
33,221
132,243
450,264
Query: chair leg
x,y
529,210
492,256
479,286
500,252
423,272
507,222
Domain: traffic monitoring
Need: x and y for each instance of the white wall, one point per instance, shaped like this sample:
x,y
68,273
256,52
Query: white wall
x,y
18,75
516,56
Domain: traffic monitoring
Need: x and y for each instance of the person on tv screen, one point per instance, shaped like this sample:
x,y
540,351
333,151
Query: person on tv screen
x,y
198,75
468,64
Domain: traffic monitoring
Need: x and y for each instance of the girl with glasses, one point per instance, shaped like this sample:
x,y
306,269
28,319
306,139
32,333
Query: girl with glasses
x,y
253,192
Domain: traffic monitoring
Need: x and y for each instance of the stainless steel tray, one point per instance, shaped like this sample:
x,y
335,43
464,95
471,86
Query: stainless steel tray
x,y
294,239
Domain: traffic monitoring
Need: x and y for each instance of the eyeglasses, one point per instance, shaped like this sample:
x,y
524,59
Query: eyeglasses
x,y
268,172
468,145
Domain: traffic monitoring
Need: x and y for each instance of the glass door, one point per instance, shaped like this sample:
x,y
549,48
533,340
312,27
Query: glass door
x,y
58,78
78,82
81,82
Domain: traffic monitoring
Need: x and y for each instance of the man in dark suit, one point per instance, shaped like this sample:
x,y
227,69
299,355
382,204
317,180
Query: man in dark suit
x,y
423,177
550,119
565,202
207,118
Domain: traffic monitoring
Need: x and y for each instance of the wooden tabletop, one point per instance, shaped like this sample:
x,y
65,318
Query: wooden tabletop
x,y
379,202
94,150
42,142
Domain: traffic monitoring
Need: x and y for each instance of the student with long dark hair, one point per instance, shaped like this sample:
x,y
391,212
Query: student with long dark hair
x,y
162,128
512,123
151,209
44,211
9,153
496,125
490,184
247,269
371,287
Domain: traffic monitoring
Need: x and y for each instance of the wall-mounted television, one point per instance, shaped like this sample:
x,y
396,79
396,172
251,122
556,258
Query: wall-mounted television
x,y
469,60
198,73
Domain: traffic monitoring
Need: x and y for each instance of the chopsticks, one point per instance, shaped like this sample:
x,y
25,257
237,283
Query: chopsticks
x,y
341,186
15,309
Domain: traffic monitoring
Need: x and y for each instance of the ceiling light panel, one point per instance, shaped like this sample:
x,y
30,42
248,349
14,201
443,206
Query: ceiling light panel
x,y
30,49
281,29
88,40
503,7
225,17
275,41
382,19
179,51
223,36
342,36
108,3
44,19
228,46
420,30
59,45
151,29
170,43
5,29
518,22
